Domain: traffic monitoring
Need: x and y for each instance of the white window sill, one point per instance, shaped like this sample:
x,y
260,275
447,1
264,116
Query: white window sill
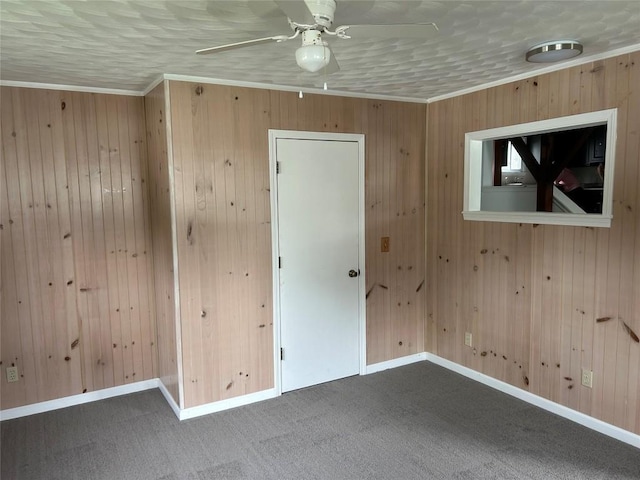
x,y
542,218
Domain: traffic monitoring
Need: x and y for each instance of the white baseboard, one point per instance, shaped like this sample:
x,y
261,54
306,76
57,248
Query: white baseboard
x,y
49,405
568,413
234,402
169,398
193,412
396,362
182,414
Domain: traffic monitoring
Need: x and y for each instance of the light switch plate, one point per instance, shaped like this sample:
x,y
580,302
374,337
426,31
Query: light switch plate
x,y
384,244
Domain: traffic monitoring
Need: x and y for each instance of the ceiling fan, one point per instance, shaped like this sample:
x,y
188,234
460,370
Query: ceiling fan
x,y
311,19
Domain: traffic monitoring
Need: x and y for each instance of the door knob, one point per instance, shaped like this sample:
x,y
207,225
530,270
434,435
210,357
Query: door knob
x,y
353,273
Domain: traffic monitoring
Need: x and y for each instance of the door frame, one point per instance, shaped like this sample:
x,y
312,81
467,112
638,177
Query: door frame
x,y
274,135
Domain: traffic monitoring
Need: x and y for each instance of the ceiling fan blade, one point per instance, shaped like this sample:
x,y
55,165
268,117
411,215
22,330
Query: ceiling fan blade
x,y
410,30
264,9
297,11
247,43
333,66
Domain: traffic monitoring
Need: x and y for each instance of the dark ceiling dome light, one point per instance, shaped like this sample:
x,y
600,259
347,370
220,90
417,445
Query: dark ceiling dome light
x,y
555,51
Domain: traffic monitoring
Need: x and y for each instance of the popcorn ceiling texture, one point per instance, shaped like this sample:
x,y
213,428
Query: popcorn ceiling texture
x,y
127,44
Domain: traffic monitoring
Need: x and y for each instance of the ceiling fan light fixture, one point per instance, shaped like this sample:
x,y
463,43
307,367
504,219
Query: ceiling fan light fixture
x,y
554,51
313,57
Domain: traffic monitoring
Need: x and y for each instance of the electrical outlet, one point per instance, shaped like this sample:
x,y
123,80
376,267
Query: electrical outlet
x,y
587,378
12,374
468,339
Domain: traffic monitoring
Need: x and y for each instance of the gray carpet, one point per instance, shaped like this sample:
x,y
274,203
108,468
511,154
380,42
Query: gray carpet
x,y
415,422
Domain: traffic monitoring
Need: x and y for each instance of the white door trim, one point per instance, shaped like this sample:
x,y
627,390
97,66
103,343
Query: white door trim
x,y
362,326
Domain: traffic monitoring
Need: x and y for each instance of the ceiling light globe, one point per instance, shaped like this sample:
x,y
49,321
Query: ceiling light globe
x,y
313,57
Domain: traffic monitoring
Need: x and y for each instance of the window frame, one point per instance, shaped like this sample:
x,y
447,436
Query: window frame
x,y
511,152
473,170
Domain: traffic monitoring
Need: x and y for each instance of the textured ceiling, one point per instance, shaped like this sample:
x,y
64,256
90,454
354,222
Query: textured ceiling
x,y
127,44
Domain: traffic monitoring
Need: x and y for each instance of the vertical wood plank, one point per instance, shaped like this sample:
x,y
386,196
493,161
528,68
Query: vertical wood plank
x,y
76,237
161,232
630,280
624,236
13,353
89,123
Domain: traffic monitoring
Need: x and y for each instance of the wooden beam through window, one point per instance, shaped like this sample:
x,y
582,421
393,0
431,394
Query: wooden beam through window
x,y
544,201
499,159
541,171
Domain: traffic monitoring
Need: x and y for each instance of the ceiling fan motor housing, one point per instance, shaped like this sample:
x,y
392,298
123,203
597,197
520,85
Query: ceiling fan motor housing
x,y
312,37
323,11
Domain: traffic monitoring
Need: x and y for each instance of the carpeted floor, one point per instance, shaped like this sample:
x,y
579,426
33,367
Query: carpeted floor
x,y
415,422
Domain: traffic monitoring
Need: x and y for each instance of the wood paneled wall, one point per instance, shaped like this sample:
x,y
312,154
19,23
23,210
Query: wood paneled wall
x,y
77,290
532,295
161,229
221,160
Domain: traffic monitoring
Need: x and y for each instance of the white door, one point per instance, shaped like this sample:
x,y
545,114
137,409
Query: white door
x,y
318,240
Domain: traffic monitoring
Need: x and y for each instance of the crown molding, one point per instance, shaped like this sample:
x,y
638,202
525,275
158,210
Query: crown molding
x,y
289,88
70,88
153,85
